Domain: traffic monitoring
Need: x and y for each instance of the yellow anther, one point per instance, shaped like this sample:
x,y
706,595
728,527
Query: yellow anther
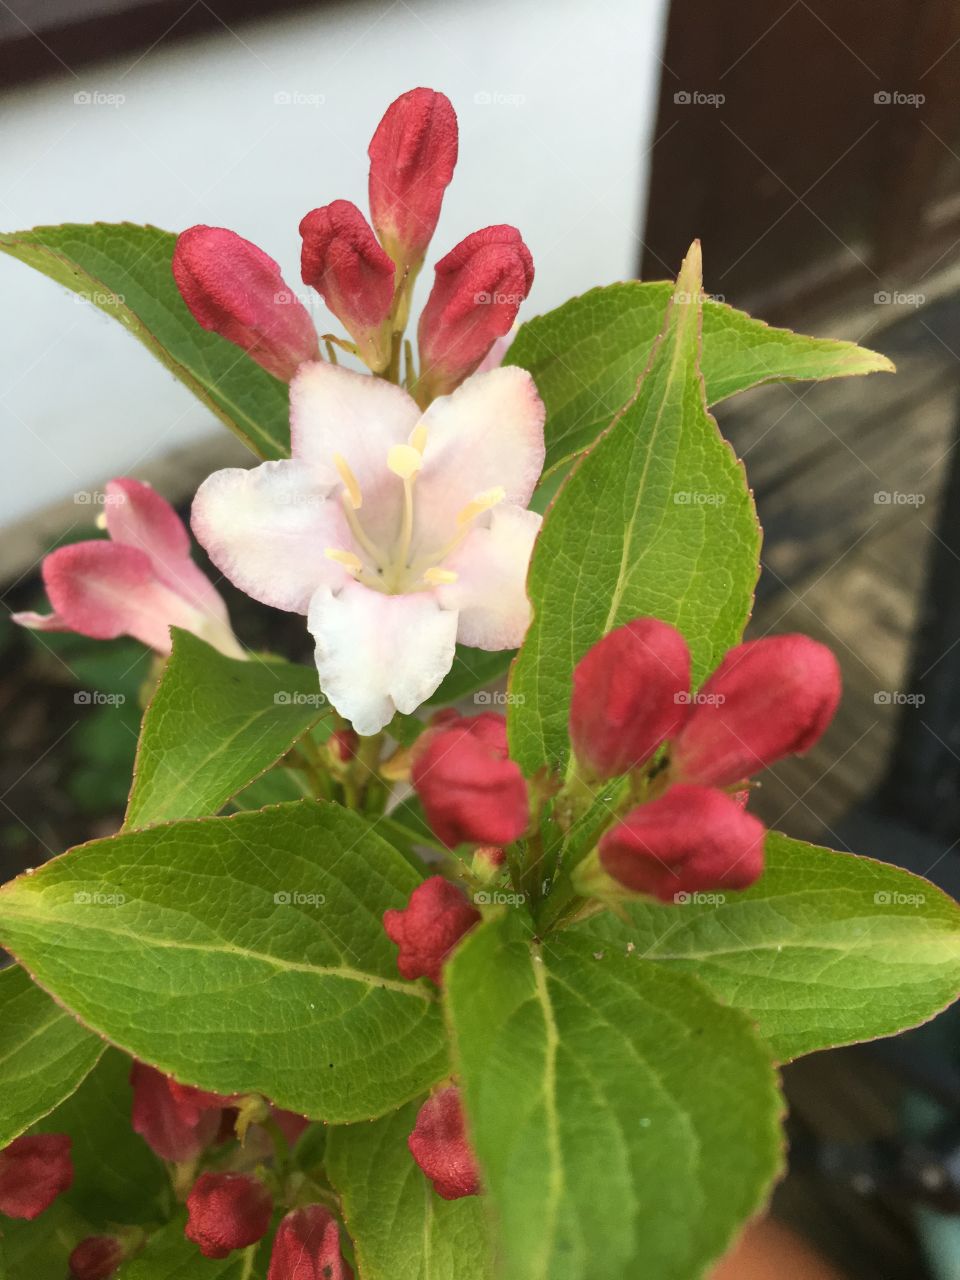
x,y
404,461
418,437
346,558
482,502
440,577
101,520
350,482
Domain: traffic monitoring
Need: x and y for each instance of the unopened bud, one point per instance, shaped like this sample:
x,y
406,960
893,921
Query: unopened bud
x,y
440,1147
227,1211
34,1170
429,927
307,1247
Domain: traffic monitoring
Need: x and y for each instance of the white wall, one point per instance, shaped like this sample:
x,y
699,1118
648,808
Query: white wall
x,y
556,105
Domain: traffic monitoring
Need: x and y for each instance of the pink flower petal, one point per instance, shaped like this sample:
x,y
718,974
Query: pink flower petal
x,y
487,434
267,530
104,590
378,654
490,592
137,516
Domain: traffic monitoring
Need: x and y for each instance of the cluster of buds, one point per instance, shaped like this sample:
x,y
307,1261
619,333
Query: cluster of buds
x,y
365,274
690,755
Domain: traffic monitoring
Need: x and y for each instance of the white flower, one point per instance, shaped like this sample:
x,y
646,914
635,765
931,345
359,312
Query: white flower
x,y
396,531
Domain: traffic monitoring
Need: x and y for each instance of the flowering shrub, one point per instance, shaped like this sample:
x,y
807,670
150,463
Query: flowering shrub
x,y
459,992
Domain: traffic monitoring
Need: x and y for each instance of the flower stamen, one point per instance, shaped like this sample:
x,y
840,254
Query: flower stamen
x,y
350,483
481,503
438,577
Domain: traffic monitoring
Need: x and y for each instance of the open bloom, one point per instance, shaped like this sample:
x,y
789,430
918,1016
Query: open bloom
x,y
396,531
140,582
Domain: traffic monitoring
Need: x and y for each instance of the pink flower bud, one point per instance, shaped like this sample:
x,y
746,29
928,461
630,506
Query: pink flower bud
x,y
307,1247
227,1211
412,157
96,1258
177,1122
690,839
475,298
630,692
343,262
429,927
440,1147
34,1170
471,792
768,699
236,290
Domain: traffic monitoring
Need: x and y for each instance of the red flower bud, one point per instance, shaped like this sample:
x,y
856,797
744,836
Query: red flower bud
x,y
412,157
34,1170
440,1147
176,1121
96,1258
429,927
227,1211
690,839
630,692
307,1247
291,1125
235,289
353,275
767,699
470,790
475,298
343,744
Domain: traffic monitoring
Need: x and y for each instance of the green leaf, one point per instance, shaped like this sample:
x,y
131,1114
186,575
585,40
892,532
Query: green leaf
x,y
608,1143
402,1230
240,954
472,669
44,1054
213,726
825,949
117,1178
169,1255
587,355
657,519
125,271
